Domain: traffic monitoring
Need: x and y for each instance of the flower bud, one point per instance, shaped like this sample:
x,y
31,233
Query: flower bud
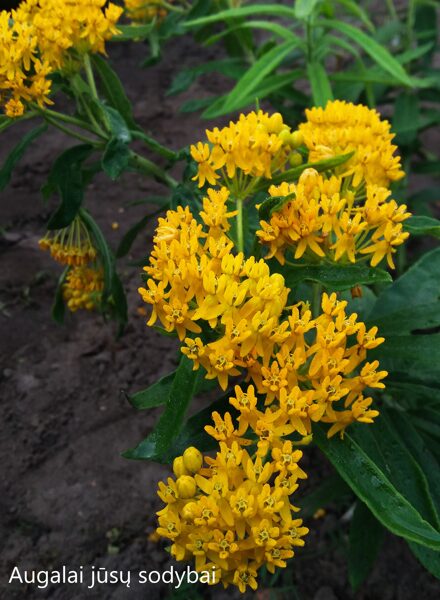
x,y
284,135
296,139
295,159
179,468
275,123
186,486
192,459
188,511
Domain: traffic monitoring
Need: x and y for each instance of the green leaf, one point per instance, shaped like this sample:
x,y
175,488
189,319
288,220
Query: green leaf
x,y
356,9
113,89
273,204
366,537
105,254
321,88
132,32
430,559
270,85
275,28
275,10
16,154
155,395
375,50
413,356
66,178
156,445
129,237
373,487
323,165
406,118
252,79
58,306
422,226
230,67
115,158
333,277
115,123
304,8
416,292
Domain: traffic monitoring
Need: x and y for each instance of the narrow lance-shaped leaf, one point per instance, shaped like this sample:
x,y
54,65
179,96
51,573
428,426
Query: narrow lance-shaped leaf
x,y
372,487
251,80
320,84
366,536
276,10
16,154
66,178
375,50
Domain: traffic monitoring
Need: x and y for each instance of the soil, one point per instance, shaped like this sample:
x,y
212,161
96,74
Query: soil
x,y
68,497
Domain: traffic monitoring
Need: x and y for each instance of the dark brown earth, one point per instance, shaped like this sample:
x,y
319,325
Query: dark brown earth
x,y
68,497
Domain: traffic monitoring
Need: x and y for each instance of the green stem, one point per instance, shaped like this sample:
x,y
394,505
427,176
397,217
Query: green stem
x,y
73,121
89,75
143,165
392,9
155,146
240,233
70,132
316,299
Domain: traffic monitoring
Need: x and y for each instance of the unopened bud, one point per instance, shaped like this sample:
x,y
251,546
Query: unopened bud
x,y
179,467
186,486
295,159
192,459
296,139
276,123
284,135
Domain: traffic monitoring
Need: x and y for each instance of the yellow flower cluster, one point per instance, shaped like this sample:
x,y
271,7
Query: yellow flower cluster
x,y
70,246
343,127
145,10
36,38
83,288
73,246
324,217
257,145
197,284
233,515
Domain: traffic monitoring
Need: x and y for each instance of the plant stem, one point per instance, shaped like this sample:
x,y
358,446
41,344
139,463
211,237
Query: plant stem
x,y
73,120
147,167
70,132
89,74
316,299
240,234
154,145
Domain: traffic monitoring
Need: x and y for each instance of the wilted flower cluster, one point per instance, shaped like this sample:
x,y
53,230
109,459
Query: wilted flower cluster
x,y
38,38
324,217
257,145
72,246
234,515
83,288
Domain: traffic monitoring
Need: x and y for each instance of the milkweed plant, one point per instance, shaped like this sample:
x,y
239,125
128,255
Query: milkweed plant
x,y
279,265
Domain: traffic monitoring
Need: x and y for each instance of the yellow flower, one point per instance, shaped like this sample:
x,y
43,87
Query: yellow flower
x,y
70,246
342,127
83,288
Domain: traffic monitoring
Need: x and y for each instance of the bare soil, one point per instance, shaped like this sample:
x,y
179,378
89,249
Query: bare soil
x,y
68,497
